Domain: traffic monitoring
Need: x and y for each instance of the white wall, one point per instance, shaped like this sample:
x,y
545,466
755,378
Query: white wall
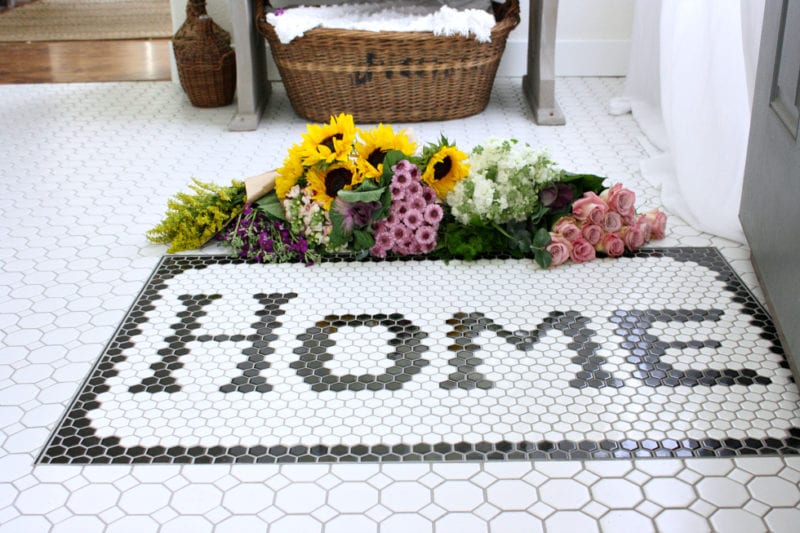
x,y
592,36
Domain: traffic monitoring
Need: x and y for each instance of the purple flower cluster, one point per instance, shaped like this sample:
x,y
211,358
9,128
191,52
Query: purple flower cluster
x,y
256,237
355,215
414,216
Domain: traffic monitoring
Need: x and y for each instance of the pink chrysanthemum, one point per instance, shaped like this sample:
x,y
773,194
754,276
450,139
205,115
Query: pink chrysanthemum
x,y
378,251
425,235
402,247
414,189
414,248
433,214
428,194
398,191
399,233
416,202
384,240
402,178
413,218
398,209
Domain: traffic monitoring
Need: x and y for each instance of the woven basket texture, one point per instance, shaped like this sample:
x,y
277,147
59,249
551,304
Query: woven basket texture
x,y
205,60
389,76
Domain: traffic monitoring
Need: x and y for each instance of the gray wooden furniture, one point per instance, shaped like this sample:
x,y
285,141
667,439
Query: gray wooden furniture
x,y
253,89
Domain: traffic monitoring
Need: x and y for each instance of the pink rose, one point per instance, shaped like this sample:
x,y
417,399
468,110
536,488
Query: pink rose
x,y
582,251
619,199
613,222
628,219
634,237
658,223
612,245
590,207
560,249
592,233
567,227
647,228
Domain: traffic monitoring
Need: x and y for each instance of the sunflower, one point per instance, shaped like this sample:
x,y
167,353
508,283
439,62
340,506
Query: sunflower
x,y
326,143
290,173
374,146
326,183
444,167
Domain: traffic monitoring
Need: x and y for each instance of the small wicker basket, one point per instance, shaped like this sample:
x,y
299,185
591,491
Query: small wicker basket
x,y
388,76
205,60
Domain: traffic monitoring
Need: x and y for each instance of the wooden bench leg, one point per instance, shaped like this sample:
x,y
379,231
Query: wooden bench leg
x,y
539,83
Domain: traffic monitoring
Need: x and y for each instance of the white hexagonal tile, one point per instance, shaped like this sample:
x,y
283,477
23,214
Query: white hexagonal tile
x,y
617,493
622,521
300,498
144,499
458,496
736,521
352,497
93,499
41,499
669,492
511,494
774,491
680,521
722,492
564,494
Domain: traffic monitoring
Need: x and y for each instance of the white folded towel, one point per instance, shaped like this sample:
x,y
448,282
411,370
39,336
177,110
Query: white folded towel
x,y
425,15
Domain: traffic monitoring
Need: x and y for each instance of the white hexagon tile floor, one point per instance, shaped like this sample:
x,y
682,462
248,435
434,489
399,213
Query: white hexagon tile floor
x,y
87,169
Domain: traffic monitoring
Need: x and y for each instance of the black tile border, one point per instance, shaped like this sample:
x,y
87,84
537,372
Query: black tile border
x,y
74,440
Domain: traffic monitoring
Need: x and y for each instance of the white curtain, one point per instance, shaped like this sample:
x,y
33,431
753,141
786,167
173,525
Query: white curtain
x,y
690,86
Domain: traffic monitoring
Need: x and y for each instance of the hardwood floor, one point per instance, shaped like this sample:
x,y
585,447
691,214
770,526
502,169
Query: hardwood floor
x,y
84,61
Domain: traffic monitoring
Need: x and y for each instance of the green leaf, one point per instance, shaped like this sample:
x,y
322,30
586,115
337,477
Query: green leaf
x,y
271,206
386,205
539,214
362,240
361,196
541,239
366,185
519,238
392,158
543,258
338,236
584,182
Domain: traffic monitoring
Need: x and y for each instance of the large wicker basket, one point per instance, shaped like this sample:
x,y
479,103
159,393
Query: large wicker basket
x,y
388,76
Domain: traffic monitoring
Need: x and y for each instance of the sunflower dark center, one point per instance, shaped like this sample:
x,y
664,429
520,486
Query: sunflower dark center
x,y
336,180
442,168
376,157
328,141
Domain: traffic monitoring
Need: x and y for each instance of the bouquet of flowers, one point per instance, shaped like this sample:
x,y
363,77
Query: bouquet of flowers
x,y
344,189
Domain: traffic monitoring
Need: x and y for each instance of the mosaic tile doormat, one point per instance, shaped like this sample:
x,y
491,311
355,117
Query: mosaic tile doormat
x,y
665,353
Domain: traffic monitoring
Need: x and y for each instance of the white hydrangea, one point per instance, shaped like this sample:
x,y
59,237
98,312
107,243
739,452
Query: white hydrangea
x,y
504,183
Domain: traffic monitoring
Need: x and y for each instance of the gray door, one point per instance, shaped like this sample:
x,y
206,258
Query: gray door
x,y
770,210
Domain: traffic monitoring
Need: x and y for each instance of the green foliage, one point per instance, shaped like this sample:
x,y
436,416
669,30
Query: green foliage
x,y
194,218
271,206
584,182
338,237
391,159
470,242
366,193
362,240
